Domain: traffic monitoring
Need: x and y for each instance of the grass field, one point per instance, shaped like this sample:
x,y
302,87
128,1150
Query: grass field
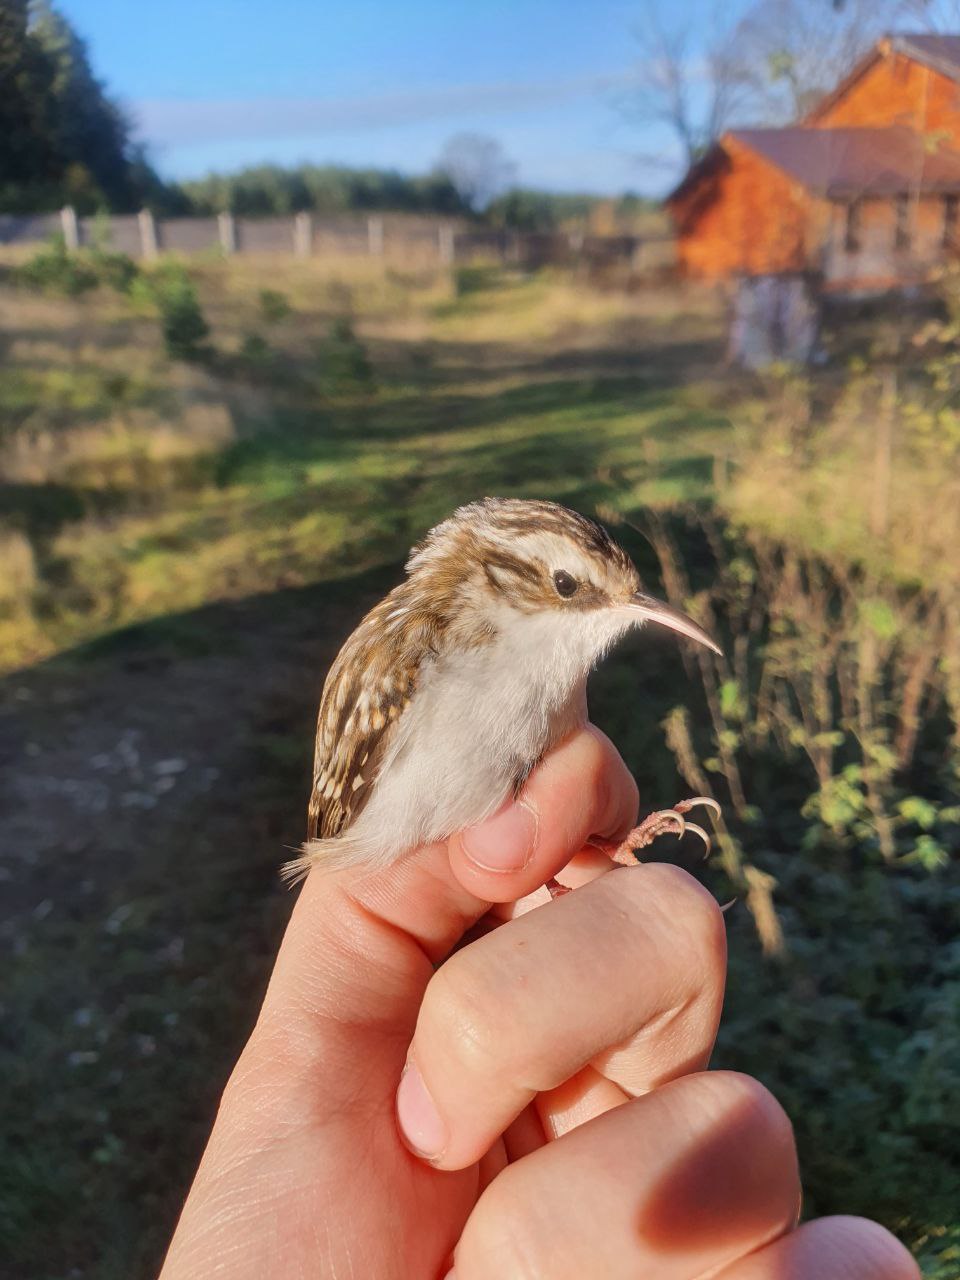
x,y
187,542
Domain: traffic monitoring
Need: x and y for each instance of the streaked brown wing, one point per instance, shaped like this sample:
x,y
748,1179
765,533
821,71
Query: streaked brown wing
x,y
368,688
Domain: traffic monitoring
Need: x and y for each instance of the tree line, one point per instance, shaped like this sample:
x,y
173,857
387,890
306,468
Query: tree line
x,y
332,189
65,140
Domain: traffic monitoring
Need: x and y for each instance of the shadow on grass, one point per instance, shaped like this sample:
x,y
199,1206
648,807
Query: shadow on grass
x,y
140,935
41,510
146,913
341,434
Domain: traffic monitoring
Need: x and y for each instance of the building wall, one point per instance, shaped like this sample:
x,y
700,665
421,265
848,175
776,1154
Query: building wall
x,y
896,90
878,263
746,218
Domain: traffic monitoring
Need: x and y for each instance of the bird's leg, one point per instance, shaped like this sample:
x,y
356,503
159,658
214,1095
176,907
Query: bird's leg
x,y
656,824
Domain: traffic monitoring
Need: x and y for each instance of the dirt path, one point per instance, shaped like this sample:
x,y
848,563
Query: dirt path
x,y
148,788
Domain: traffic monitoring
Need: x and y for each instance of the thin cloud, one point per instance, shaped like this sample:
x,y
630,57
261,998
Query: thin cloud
x,y
175,122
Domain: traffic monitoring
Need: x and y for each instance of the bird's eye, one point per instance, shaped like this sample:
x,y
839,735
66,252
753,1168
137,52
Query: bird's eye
x,y
565,583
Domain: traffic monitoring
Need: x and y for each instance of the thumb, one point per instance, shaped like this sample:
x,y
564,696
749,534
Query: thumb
x,y
361,932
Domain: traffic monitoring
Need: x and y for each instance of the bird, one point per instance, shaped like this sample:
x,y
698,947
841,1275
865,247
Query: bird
x,y
453,687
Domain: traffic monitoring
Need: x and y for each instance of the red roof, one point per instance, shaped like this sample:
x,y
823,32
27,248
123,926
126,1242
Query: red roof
x,y
840,163
940,52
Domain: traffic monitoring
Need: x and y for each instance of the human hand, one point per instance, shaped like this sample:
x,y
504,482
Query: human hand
x,y
555,1077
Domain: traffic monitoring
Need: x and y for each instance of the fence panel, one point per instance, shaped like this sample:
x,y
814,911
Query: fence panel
x,y
264,235
340,236
119,232
415,240
188,235
28,228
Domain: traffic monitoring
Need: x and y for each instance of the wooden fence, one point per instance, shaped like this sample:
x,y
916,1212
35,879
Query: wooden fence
x,y
403,238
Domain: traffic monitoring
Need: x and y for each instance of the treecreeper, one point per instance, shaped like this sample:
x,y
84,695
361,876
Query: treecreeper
x,y
455,685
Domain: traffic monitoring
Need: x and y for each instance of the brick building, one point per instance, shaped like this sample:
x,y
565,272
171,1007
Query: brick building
x,y
864,191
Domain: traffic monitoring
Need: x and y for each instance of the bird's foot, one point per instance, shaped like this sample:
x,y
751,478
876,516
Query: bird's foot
x,y
556,889
657,824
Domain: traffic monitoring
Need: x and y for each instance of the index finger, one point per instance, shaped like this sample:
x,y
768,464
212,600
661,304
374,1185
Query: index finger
x,y
626,974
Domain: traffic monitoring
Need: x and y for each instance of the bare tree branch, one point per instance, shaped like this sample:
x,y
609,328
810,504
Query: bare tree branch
x,y
702,72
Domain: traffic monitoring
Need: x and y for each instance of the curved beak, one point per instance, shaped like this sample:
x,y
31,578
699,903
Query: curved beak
x,y
653,610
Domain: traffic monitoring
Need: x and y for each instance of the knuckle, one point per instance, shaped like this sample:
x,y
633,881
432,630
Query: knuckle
x,y
747,1136
691,910
603,770
504,1232
598,753
762,1123
459,1012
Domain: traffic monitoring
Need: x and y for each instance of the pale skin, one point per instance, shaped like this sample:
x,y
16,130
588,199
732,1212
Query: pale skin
x,y
555,1119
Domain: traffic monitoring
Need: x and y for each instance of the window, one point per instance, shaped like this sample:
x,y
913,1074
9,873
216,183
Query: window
x,y
851,233
901,226
951,217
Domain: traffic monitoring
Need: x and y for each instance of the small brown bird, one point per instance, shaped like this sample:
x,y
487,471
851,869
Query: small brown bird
x,y
452,688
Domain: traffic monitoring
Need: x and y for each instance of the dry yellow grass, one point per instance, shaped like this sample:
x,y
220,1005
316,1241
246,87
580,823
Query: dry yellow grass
x,y
145,485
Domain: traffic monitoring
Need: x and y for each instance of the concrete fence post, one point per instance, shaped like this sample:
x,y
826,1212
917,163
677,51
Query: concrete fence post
x,y
446,244
148,234
70,227
303,235
375,236
227,231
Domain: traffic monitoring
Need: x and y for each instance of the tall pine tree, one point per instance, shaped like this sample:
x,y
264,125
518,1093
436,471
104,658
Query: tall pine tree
x,y
62,137
93,135
30,156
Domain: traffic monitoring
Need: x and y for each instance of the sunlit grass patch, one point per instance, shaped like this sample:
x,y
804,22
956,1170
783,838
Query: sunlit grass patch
x,y
328,427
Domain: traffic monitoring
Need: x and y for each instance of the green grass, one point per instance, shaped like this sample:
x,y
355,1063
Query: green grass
x,y
193,542
337,462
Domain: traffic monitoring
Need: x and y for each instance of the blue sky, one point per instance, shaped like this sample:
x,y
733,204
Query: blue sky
x,y
222,83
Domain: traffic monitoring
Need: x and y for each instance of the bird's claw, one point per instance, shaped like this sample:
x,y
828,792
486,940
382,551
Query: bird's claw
x,y
699,831
556,889
684,806
656,824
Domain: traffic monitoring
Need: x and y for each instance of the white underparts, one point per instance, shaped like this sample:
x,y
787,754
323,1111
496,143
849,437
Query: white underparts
x,y
480,718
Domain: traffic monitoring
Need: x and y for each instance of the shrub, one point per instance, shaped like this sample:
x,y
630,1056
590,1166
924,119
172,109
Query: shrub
x,y
344,364
117,270
55,270
257,355
182,321
274,305
827,731
475,278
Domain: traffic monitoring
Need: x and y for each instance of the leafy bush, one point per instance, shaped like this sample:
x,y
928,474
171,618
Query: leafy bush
x,y
474,278
257,357
55,270
274,306
117,270
831,733
344,365
182,321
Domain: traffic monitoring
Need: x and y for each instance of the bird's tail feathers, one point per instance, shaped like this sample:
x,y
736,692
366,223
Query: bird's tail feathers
x,y
332,855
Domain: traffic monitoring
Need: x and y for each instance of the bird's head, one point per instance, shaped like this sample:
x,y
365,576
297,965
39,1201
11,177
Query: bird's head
x,y
504,557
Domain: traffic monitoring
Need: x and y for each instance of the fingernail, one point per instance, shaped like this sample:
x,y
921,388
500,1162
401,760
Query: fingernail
x,y
506,841
451,1275
421,1125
